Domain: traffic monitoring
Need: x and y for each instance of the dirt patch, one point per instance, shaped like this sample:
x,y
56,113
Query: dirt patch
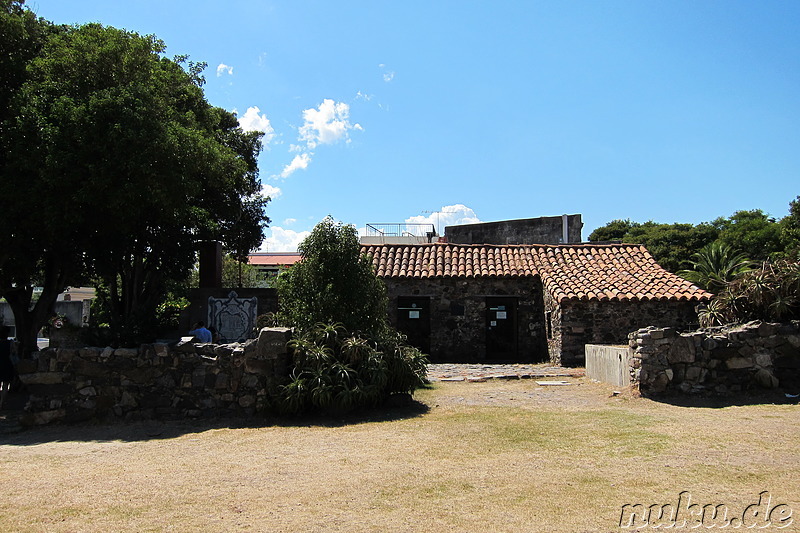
x,y
502,455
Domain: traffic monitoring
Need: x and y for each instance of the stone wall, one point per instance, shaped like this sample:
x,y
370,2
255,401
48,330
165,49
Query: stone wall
x,y
458,314
543,230
185,380
574,324
754,355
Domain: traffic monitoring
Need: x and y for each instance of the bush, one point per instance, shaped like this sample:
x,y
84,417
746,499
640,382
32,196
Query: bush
x,y
336,371
770,292
345,354
334,282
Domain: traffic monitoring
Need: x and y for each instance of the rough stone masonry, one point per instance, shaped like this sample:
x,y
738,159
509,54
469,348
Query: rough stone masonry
x,y
721,360
186,380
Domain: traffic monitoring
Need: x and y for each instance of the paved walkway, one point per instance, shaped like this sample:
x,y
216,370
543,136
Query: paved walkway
x,y
484,372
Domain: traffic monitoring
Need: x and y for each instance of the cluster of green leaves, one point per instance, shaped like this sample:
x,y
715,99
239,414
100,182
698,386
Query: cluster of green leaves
x,y
715,266
345,354
334,282
112,167
753,233
769,292
336,372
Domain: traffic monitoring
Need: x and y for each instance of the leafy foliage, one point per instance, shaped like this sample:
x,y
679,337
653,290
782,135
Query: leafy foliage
x,y
790,230
149,167
672,245
345,356
714,266
334,282
613,231
753,232
335,371
769,292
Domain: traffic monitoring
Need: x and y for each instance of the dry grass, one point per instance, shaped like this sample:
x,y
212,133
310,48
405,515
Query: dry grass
x,y
497,456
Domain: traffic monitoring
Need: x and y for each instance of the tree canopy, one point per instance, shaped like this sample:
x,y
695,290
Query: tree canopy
x,y
753,233
116,167
334,282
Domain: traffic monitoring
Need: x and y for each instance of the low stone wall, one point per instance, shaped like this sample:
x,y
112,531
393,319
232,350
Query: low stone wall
x,y
754,355
186,380
609,364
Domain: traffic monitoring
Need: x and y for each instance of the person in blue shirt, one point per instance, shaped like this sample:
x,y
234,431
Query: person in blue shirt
x,y
200,332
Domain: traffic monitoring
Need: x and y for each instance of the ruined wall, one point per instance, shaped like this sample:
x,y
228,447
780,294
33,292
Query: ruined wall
x,y
576,323
458,314
187,380
543,230
755,355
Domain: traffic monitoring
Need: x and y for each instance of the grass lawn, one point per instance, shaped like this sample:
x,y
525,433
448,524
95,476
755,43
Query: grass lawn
x,y
494,456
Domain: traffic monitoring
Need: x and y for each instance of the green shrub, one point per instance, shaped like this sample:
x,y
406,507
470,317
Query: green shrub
x,y
336,371
770,292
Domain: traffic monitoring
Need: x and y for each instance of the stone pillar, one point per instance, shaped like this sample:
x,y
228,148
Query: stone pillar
x,y
210,265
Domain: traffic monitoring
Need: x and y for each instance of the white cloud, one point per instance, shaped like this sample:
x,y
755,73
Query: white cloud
x,y
448,215
253,121
300,161
289,221
283,240
222,68
327,124
363,96
269,190
388,75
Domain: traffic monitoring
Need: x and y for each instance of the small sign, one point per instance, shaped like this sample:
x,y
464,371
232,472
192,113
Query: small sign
x,y
413,314
501,307
493,323
501,315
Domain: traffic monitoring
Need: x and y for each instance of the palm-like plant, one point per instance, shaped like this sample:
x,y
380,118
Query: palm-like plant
x,y
335,372
715,266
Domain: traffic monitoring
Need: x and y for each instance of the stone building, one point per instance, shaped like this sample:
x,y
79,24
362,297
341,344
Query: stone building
x,y
484,302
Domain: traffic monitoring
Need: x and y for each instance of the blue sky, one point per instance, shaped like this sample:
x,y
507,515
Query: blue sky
x,y
378,111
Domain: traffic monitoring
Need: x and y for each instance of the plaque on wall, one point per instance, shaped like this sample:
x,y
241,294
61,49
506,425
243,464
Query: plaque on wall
x,y
234,318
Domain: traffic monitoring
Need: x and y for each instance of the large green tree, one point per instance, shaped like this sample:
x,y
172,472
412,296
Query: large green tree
x,y
753,232
117,167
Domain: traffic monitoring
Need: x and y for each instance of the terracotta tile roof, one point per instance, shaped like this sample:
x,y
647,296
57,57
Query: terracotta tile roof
x,y
576,271
273,259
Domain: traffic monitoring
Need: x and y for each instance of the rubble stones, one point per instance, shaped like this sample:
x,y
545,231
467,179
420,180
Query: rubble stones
x,y
186,380
723,361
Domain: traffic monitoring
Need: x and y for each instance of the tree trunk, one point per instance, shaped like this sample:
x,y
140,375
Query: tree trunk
x,y
29,319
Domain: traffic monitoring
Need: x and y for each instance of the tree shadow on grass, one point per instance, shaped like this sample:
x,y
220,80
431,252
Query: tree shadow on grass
x,y
138,431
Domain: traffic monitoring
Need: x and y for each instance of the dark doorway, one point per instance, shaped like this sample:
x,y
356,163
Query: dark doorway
x,y
501,328
414,320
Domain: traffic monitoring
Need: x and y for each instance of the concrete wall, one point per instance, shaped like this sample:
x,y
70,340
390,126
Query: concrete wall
x,y
544,230
77,312
458,314
754,355
609,364
154,381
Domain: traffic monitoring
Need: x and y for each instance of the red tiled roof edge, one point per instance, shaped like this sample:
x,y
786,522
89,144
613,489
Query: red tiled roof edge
x,y
600,272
